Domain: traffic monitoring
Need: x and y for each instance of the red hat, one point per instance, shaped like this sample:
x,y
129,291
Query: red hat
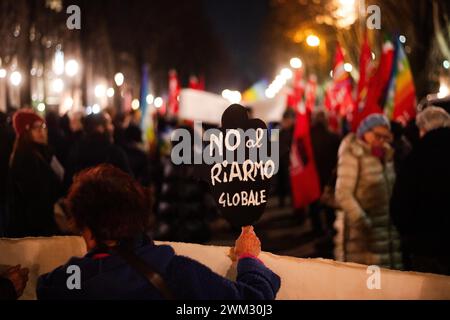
x,y
24,119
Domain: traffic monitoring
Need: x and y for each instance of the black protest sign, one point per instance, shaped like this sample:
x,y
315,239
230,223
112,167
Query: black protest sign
x,y
240,177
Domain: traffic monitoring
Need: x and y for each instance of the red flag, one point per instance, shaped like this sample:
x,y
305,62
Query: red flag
x,y
196,83
342,86
174,92
331,106
378,84
310,93
365,75
294,98
304,177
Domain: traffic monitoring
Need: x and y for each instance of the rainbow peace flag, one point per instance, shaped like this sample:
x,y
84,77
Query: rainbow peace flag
x,y
401,99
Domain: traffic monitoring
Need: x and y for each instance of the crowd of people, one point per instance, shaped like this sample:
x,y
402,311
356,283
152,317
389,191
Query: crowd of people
x,y
385,202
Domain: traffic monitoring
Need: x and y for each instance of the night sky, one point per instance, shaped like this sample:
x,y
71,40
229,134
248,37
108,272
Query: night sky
x,y
240,24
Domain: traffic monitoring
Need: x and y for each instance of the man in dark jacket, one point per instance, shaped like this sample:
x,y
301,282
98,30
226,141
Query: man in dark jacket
x,y
325,146
111,210
6,146
420,206
96,147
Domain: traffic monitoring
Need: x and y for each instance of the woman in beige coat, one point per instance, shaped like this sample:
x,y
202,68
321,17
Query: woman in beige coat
x,y
363,190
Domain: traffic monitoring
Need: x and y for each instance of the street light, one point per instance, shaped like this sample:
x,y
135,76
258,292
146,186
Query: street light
x,y
158,102
150,99
110,92
72,68
15,78
57,85
41,107
313,40
296,63
286,73
348,67
135,104
100,91
119,78
95,109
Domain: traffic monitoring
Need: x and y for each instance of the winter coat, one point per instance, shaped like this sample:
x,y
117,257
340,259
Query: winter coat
x,y
420,205
107,276
325,146
33,189
363,190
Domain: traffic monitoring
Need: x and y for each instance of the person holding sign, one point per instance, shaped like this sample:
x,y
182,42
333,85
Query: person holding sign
x,y
124,264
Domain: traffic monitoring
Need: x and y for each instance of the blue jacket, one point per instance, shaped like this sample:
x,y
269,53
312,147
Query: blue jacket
x,y
111,278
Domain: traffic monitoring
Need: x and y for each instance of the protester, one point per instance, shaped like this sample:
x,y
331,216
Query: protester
x,y
363,189
400,143
7,138
286,136
112,212
95,147
420,207
13,282
325,146
35,181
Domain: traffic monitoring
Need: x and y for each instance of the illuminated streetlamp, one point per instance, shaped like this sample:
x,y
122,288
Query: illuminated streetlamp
x,y
313,40
110,92
158,102
150,99
119,78
72,68
100,91
135,104
57,85
15,78
296,63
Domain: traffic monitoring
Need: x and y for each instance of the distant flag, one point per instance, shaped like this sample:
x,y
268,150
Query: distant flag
x,y
342,85
295,96
311,93
378,84
144,92
174,92
196,83
304,177
331,107
255,92
401,100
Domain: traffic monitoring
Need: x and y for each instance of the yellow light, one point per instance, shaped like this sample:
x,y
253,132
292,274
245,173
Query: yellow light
x,y
100,91
296,63
72,67
444,91
119,79
135,104
57,85
286,73
41,107
313,40
16,78
110,92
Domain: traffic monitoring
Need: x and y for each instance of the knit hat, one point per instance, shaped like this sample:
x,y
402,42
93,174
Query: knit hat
x,y
24,119
372,121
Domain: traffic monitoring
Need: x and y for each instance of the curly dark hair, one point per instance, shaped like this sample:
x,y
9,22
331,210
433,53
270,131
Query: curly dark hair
x,y
110,203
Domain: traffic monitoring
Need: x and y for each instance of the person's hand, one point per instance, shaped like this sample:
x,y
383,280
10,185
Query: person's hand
x,y
18,277
247,243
